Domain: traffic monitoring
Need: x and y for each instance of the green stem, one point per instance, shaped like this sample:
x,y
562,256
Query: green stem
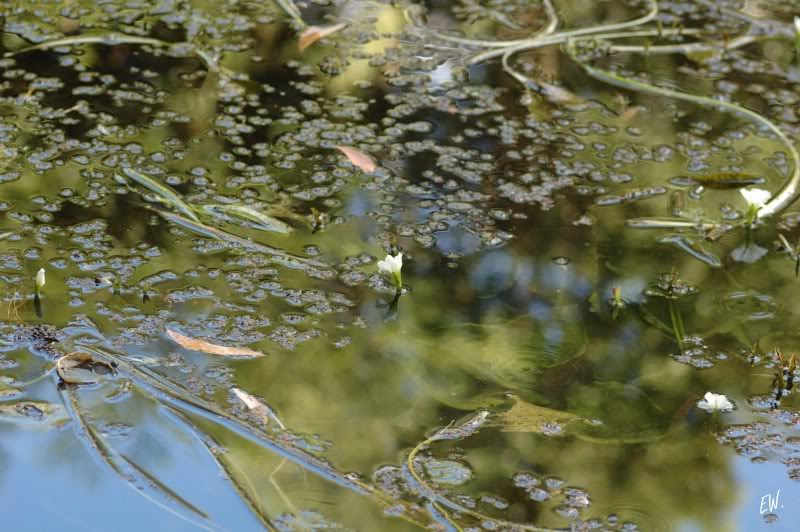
x,y
677,322
398,281
435,497
791,188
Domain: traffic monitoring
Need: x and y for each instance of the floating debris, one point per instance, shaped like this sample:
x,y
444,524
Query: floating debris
x,y
194,344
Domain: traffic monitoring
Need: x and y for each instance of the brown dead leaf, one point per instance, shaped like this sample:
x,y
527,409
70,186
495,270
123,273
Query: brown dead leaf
x,y
78,368
194,344
312,34
358,158
631,112
527,417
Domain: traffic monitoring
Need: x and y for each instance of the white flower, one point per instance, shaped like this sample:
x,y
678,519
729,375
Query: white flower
x,y
756,197
714,402
392,266
40,279
797,25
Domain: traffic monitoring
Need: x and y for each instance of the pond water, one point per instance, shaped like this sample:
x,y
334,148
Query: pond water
x,y
195,332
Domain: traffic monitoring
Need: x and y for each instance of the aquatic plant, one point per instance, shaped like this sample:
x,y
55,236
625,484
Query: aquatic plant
x,y
393,266
712,402
756,199
41,279
225,168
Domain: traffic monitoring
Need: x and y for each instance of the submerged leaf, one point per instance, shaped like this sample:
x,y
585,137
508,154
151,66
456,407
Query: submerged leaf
x,y
723,180
463,430
287,259
559,95
691,246
447,472
312,34
243,212
25,411
194,344
527,417
359,159
78,368
748,253
169,196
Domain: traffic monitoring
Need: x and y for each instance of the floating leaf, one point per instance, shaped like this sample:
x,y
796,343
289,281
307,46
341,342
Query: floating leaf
x,y
312,34
359,159
194,344
78,368
527,417
720,180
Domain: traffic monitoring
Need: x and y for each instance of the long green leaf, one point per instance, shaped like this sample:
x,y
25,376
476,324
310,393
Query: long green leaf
x,y
244,213
167,195
140,481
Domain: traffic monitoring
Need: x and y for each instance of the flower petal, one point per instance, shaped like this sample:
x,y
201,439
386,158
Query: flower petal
x,y
756,196
705,406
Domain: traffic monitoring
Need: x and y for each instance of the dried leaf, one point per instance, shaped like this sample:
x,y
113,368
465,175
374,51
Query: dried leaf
x,y
257,406
527,417
631,112
194,344
78,368
312,34
359,159
249,401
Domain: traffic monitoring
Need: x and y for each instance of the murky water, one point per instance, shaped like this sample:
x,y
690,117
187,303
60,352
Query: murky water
x,y
208,188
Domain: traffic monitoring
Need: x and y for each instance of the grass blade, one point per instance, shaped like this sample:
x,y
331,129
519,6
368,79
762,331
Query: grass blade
x,y
161,389
141,482
247,493
286,259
